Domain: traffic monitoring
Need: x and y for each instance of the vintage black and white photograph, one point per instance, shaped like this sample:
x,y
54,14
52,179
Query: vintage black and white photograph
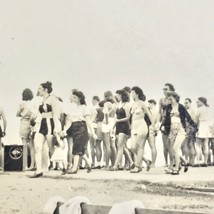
x,y
107,107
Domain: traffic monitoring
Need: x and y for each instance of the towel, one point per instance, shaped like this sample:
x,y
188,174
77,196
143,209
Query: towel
x,y
73,205
127,207
51,204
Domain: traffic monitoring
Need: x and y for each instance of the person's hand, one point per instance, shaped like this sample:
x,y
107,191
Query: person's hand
x,y
3,134
94,136
63,133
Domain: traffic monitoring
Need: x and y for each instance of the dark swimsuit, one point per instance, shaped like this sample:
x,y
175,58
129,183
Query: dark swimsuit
x,y
122,127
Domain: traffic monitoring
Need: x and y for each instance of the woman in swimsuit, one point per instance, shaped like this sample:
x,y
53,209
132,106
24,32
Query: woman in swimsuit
x,y
139,128
49,126
122,128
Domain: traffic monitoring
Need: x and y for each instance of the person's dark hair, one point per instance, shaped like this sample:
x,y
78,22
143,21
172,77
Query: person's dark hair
x,y
189,100
47,85
139,92
175,95
96,98
27,94
108,96
152,101
171,87
124,95
101,103
203,100
80,95
127,89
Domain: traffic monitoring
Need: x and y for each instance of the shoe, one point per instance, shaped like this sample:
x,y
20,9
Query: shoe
x,y
72,171
89,169
114,169
148,163
98,167
37,175
196,165
175,172
64,171
137,169
204,165
186,168
81,167
168,171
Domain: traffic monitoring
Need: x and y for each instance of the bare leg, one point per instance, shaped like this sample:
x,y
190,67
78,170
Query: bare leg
x,y
113,151
98,152
121,144
70,150
92,148
32,154
151,140
106,144
25,154
177,149
165,148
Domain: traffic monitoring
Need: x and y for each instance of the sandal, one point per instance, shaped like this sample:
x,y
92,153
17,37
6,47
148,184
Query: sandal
x,y
137,169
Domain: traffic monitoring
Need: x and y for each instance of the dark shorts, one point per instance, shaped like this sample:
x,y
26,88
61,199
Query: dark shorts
x,y
123,127
79,132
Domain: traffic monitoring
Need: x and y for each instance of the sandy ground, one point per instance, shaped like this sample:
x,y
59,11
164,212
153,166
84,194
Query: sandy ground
x,y
20,194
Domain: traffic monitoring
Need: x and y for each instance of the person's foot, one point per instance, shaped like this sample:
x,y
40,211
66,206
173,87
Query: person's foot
x,y
168,171
64,171
204,165
98,167
148,163
71,171
89,168
186,168
37,175
136,169
175,172
196,165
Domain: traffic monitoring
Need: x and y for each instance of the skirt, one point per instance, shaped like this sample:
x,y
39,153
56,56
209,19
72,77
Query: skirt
x,y
79,132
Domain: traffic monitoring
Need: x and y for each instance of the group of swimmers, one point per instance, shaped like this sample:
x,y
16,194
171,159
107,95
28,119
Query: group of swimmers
x,y
116,128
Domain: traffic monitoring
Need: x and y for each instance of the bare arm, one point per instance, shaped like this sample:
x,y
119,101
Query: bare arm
x,y
18,113
146,110
4,121
89,125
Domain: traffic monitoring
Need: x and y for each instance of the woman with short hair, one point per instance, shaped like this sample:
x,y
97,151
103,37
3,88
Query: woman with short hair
x,y
27,113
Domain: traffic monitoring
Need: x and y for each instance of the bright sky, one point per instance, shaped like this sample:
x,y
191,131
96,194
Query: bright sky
x,y
99,45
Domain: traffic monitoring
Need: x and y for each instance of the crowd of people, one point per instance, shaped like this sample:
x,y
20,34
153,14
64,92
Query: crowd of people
x,y
114,131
